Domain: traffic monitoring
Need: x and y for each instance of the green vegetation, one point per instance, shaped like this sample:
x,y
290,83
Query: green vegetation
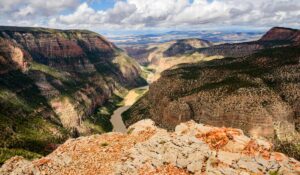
x,y
130,131
30,101
274,71
230,84
104,144
137,112
141,92
255,66
27,122
16,80
6,153
31,133
22,117
191,73
48,70
273,173
291,149
100,121
146,71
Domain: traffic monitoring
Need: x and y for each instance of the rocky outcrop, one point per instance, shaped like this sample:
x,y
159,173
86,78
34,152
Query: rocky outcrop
x,y
191,149
12,57
52,81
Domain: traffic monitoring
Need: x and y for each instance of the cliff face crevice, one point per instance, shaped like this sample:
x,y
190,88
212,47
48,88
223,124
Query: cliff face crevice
x,y
59,77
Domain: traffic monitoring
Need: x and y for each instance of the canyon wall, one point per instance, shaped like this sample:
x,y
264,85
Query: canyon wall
x,y
51,82
258,93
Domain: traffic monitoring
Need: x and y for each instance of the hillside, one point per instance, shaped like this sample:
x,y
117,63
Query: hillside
x,y
51,83
192,149
282,34
275,37
159,57
259,93
152,53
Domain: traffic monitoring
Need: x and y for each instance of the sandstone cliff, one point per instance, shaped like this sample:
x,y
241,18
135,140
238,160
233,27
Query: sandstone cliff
x,y
51,82
145,149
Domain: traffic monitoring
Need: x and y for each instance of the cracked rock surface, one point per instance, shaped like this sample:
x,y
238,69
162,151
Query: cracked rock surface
x,y
191,149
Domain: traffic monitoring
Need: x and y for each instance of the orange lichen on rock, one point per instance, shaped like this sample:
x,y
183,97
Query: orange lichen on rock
x,y
148,150
80,155
42,161
253,148
218,138
278,156
266,154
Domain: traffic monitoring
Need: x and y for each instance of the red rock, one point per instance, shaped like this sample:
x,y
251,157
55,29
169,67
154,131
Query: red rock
x,y
283,34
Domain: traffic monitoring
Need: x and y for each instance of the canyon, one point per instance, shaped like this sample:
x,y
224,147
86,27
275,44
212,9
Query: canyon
x,y
52,82
61,89
258,92
159,57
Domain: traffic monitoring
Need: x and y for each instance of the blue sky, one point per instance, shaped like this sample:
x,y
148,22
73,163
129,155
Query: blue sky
x,y
125,16
101,4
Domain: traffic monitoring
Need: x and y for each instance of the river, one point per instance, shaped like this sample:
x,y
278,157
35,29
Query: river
x,y
131,97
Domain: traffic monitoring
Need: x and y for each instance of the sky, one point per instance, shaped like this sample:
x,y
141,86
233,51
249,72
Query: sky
x,y
119,16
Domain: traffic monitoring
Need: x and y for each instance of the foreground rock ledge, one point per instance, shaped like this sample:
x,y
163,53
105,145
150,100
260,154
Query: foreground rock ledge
x,y
192,149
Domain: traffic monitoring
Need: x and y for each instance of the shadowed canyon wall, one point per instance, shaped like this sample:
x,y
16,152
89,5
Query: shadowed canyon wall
x,y
51,82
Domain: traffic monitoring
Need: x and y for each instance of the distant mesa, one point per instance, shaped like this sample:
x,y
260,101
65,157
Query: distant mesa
x,y
186,46
282,34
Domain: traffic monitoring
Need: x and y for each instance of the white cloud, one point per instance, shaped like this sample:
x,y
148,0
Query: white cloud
x,y
156,13
25,11
32,12
82,14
